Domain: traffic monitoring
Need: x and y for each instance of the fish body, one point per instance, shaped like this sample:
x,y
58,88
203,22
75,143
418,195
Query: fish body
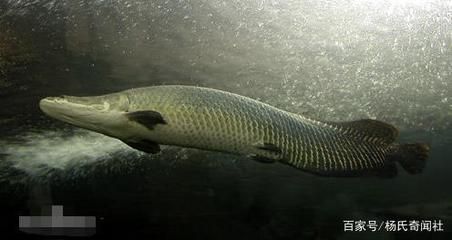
x,y
216,120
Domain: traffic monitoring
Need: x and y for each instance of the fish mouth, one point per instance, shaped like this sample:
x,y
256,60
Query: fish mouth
x,y
51,105
92,113
64,109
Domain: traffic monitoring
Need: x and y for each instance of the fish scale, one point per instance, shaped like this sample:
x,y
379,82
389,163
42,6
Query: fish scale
x,y
216,120
244,122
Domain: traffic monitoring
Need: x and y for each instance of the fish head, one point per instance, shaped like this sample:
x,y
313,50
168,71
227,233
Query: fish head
x,y
102,114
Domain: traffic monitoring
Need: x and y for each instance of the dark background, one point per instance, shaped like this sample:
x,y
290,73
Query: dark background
x,y
331,60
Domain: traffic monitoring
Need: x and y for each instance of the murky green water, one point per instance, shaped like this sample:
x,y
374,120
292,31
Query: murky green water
x,y
330,60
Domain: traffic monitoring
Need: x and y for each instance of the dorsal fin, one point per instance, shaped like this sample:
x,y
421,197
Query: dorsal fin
x,y
369,130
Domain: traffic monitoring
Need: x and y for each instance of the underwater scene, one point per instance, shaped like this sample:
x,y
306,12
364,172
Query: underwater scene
x,y
239,119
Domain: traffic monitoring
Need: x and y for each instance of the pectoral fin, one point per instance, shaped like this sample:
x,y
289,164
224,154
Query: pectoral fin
x,y
146,118
144,146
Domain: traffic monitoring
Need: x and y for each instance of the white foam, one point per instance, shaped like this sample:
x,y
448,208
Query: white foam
x,y
37,150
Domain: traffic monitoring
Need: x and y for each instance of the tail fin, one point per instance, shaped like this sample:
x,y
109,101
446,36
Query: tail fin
x,y
412,157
